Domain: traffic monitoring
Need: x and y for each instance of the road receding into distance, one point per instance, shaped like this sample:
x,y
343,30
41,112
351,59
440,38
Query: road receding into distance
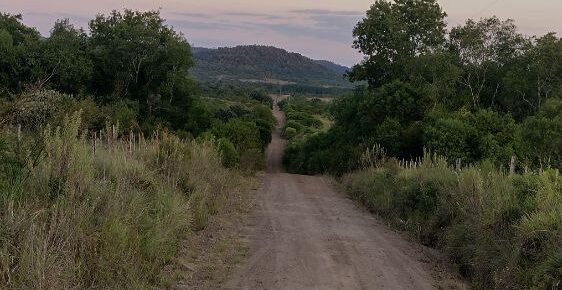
x,y
307,235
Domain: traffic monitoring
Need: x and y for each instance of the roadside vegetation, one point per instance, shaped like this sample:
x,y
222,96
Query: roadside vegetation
x,y
303,117
456,137
244,129
110,155
504,231
106,212
131,69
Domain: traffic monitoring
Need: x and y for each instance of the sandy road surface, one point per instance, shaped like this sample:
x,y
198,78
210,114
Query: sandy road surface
x,y
306,235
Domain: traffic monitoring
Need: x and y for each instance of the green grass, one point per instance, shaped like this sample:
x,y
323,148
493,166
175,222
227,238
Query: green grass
x,y
504,231
72,217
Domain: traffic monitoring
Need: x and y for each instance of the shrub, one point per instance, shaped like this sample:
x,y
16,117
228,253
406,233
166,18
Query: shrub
x,y
252,160
261,97
452,138
243,134
473,137
265,129
504,231
289,132
33,109
229,155
295,125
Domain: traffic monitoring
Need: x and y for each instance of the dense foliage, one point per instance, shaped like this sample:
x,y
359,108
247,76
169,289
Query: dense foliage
x,y
131,69
302,116
247,126
481,91
127,56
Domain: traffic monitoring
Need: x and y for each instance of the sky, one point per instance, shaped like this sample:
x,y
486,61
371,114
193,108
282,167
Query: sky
x,y
320,29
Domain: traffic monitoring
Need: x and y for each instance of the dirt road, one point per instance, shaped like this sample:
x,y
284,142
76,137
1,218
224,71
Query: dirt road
x,y
306,235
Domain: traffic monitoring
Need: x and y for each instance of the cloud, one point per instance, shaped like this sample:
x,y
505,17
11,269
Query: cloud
x,y
324,26
318,24
185,25
257,15
335,21
191,15
328,12
310,31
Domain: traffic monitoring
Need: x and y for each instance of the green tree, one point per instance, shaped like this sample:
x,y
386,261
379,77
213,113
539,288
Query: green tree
x,y
484,50
392,34
484,134
229,156
139,57
535,77
261,97
542,135
450,137
21,54
66,62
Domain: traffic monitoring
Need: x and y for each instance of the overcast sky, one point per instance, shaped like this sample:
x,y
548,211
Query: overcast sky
x,y
319,29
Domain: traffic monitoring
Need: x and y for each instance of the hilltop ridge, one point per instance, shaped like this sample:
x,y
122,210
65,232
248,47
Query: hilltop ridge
x,y
265,64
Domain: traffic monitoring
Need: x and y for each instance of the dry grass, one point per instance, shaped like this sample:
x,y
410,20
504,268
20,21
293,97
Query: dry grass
x,y
210,256
504,231
110,216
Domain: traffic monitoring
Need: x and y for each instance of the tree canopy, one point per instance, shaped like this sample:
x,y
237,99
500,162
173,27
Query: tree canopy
x,y
475,92
394,32
132,56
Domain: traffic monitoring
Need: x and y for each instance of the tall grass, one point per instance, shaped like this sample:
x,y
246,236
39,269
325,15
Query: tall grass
x,y
106,213
504,231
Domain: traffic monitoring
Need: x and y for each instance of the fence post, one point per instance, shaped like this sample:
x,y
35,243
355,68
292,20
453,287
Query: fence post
x,y
458,165
131,142
512,165
95,141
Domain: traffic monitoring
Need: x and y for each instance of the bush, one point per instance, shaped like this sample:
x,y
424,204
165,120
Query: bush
x,y
34,109
243,134
289,133
261,97
473,137
452,138
229,155
305,119
295,125
265,129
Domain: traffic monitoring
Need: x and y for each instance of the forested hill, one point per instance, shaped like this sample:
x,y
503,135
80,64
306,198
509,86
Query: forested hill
x,y
340,69
265,64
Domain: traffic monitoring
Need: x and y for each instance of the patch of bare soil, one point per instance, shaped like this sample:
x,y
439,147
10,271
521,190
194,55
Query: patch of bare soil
x,y
209,256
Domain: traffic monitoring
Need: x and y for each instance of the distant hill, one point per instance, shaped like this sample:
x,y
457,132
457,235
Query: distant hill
x,y
266,65
340,69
